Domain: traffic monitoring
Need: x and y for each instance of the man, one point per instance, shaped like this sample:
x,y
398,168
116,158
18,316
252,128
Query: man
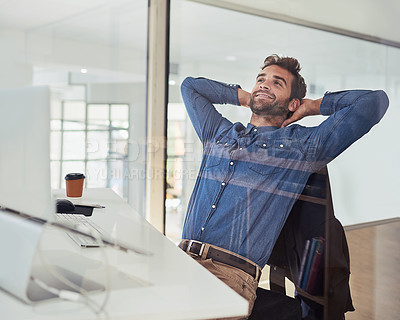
x,y
251,176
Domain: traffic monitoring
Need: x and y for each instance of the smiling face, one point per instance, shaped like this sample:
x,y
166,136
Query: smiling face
x,y
271,94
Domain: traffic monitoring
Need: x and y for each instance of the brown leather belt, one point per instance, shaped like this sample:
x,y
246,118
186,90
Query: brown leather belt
x,y
207,251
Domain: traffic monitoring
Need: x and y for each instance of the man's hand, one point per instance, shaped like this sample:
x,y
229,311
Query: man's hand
x,y
244,98
308,107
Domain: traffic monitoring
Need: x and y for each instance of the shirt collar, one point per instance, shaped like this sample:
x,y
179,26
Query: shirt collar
x,y
251,127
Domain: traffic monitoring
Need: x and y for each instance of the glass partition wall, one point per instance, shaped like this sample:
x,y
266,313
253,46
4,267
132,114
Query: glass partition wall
x,y
231,46
93,55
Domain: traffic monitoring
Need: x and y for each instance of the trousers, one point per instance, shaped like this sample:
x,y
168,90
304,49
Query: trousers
x,y
240,281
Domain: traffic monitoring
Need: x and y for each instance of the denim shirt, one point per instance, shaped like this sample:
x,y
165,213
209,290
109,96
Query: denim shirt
x,y
250,177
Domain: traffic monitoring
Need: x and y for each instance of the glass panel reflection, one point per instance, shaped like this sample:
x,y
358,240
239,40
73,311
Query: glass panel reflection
x,y
90,54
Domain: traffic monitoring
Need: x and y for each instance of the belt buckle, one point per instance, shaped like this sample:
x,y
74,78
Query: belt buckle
x,y
191,242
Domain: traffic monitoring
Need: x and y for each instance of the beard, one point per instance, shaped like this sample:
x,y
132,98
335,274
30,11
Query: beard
x,y
273,108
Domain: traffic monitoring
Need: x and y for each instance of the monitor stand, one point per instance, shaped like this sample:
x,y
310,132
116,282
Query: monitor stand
x,y
19,242
36,293
19,239
23,261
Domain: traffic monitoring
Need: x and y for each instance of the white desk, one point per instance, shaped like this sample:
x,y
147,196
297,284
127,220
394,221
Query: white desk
x,y
165,285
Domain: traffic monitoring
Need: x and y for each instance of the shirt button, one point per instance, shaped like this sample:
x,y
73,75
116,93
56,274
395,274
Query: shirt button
x,y
281,145
240,148
223,184
213,206
255,130
231,163
202,229
264,145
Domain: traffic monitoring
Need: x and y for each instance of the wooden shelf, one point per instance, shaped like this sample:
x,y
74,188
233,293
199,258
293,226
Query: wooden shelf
x,y
315,206
311,199
305,294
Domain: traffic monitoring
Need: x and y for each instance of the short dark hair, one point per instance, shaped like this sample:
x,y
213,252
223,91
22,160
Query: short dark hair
x,y
299,87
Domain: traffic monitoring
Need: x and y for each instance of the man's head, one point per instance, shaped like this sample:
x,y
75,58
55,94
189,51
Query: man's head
x,y
279,88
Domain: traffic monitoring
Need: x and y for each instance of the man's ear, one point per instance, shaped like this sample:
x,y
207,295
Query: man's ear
x,y
294,104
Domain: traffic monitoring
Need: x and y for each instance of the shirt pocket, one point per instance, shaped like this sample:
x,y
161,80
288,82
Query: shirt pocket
x,y
269,156
220,150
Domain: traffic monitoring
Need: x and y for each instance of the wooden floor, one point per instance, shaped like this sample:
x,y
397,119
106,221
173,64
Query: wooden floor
x,y
375,271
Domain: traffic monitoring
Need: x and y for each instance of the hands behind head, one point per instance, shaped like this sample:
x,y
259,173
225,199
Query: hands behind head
x,y
307,107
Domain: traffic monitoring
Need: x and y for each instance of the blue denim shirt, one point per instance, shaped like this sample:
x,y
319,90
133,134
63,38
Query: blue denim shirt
x,y
250,177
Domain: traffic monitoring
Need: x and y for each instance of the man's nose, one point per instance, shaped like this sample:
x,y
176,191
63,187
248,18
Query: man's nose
x,y
264,85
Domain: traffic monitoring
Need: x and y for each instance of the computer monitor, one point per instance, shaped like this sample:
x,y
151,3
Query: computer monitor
x,y
24,182
25,191
25,156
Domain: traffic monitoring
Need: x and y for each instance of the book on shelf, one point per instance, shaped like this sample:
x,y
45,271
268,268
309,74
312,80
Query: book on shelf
x,y
312,265
315,279
307,266
306,252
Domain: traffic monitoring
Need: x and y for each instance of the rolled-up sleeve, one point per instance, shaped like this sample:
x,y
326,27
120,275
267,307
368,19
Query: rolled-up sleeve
x,y
351,115
199,96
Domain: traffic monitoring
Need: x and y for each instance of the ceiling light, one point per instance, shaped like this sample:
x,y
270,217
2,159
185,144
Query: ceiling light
x,y
83,70
230,58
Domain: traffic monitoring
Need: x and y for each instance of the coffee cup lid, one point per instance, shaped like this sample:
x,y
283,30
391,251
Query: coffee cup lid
x,y
74,176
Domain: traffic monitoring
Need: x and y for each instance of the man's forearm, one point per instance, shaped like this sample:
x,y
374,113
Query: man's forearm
x,y
368,103
214,91
352,114
200,95
308,107
244,98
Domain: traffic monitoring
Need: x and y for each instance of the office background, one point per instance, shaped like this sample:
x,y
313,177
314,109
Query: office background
x,y
94,55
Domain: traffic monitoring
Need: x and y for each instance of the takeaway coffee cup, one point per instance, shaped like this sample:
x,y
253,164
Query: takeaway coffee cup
x,y
74,184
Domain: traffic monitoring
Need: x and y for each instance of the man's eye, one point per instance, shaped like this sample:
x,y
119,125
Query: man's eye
x,y
278,83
